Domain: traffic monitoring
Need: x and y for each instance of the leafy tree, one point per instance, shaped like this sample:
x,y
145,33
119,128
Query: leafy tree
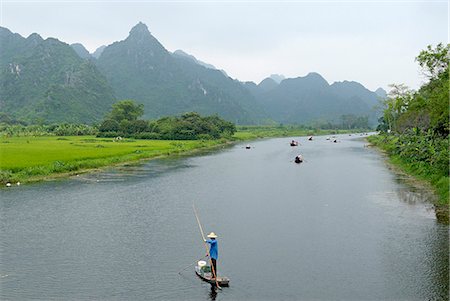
x,y
126,110
109,125
434,62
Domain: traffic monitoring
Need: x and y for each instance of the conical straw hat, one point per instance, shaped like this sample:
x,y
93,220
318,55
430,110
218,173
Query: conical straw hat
x,y
212,235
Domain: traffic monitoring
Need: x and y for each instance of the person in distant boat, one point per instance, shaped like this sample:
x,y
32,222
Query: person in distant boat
x,y
213,251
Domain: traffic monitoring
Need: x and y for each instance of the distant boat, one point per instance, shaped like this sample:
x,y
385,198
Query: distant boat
x,y
298,159
294,143
204,272
248,146
310,138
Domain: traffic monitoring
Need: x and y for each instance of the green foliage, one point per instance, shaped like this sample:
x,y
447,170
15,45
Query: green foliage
x,y
189,126
63,129
415,125
126,110
109,125
428,108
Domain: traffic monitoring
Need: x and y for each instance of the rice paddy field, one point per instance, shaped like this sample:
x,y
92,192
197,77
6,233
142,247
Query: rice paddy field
x,y
34,158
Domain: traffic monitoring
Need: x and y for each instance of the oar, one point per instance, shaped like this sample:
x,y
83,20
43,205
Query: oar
x,y
206,246
190,265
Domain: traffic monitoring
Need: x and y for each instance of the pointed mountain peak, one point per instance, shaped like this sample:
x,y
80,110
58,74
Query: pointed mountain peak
x,y
35,37
139,29
80,50
381,92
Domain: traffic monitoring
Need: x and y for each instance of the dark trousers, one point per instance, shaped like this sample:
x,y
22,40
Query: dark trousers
x,y
214,263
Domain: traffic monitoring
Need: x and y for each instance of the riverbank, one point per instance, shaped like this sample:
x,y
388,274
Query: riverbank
x,y
35,158
31,159
419,170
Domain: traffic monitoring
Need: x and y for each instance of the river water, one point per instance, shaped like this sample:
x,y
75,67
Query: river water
x,y
340,226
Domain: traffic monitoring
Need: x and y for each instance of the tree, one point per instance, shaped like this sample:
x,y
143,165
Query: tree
x,y
109,125
396,103
434,62
126,110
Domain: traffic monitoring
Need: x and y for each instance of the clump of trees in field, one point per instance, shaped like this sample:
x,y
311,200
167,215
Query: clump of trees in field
x,y
415,124
124,121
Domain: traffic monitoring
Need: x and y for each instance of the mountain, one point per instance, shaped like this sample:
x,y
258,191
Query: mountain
x,y
140,68
98,51
81,51
51,81
277,77
46,81
267,84
182,54
381,92
305,99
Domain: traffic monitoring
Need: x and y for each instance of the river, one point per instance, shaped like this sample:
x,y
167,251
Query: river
x,y
340,226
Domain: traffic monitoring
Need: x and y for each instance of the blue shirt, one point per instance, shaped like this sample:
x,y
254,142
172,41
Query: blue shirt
x,y
213,252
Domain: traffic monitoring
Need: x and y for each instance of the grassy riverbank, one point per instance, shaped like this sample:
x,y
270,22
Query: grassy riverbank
x,y
34,158
421,167
28,159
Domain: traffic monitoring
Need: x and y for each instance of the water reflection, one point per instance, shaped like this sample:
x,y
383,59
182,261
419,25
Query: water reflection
x,y
213,293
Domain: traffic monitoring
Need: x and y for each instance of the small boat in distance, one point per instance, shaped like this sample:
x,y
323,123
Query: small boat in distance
x,y
298,159
310,138
294,143
204,272
248,146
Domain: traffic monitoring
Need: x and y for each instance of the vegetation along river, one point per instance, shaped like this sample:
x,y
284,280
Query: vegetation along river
x,y
340,226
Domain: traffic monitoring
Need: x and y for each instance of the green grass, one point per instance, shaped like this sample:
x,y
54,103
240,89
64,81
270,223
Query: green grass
x,y
33,158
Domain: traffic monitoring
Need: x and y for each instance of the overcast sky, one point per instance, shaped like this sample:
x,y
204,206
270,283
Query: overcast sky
x,y
372,42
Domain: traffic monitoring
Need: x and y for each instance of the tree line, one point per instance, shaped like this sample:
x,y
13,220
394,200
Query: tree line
x,y
124,121
415,124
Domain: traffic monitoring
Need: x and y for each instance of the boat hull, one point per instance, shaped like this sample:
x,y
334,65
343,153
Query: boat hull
x,y
222,281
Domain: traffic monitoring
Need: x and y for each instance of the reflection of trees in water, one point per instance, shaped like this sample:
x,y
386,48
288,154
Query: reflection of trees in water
x,y
435,243
414,192
415,197
438,261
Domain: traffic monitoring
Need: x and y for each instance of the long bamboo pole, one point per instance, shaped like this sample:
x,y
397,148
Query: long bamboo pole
x,y
206,245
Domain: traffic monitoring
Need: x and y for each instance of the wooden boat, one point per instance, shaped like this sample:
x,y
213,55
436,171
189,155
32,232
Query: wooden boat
x,y
206,276
298,159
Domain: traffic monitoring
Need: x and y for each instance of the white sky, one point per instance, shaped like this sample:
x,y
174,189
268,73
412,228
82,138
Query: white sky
x,y
372,42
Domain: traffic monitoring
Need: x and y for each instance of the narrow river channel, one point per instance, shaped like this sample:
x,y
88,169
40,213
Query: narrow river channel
x,y
340,226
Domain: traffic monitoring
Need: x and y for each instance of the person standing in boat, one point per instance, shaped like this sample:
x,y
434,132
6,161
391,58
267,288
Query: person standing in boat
x,y
213,251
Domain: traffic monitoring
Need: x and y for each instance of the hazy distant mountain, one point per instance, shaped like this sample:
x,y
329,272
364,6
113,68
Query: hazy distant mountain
x,y
381,92
81,51
98,51
140,68
267,84
45,80
181,53
305,99
51,81
277,77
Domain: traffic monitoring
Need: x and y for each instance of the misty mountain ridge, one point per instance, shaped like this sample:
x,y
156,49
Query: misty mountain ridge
x,y
140,68
46,81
